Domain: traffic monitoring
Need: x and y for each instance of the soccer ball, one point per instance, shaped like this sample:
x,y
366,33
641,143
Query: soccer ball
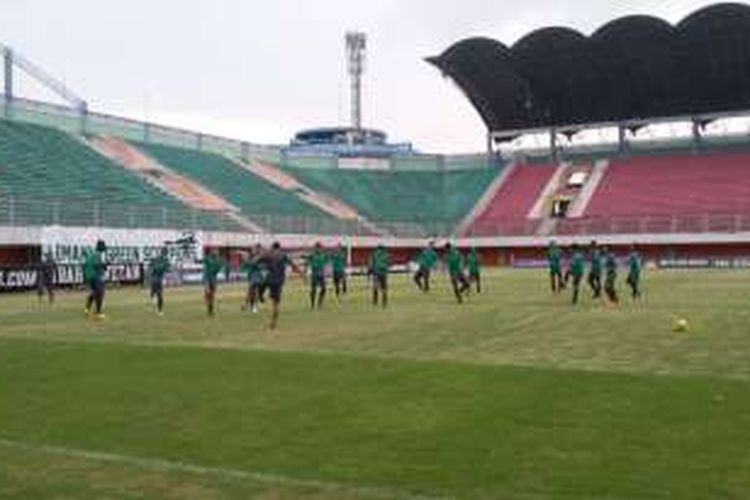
x,y
681,325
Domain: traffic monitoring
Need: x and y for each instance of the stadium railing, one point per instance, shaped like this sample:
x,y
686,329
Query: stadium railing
x,y
22,212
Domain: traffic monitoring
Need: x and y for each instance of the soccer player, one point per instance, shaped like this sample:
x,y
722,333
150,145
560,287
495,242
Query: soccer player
x,y
454,261
634,273
45,279
253,269
94,268
380,265
610,267
157,269
473,265
595,271
317,262
577,268
212,266
338,261
427,260
554,256
276,261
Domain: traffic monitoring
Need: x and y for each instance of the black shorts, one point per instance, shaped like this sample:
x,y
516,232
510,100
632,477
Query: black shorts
x,y
339,276
275,289
210,287
318,281
157,287
380,281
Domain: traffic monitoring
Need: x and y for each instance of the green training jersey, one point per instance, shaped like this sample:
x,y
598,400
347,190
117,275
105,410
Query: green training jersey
x,y
338,261
428,259
610,263
158,268
94,266
634,264
454,261
380,262
317,262
577,264
554,256
596,262
253,270
212,266
473,262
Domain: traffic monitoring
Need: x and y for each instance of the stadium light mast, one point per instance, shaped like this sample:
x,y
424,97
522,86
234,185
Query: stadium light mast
x,y
356,46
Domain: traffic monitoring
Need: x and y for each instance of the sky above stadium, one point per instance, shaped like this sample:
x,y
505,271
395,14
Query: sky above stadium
x,y
261,70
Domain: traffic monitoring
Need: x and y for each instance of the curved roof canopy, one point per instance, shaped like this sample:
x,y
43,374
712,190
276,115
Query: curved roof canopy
x,y
633,68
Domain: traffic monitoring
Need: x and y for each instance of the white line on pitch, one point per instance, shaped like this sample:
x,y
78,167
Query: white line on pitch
x,y
168,465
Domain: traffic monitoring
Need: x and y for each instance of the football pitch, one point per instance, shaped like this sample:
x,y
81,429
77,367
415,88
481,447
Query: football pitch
x,y
514,395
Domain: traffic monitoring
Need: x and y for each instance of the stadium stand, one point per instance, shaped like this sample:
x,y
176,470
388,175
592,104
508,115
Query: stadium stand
x,y
270,207
668,194
419,203
50,177
508,212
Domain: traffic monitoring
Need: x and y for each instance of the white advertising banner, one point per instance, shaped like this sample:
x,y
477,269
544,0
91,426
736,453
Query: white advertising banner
x,y
67,244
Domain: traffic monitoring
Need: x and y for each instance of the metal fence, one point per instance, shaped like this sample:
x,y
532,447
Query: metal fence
x,y
89,212
73,121
596,226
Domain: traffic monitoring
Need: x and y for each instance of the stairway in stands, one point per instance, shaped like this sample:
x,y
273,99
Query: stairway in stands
x,y
181,187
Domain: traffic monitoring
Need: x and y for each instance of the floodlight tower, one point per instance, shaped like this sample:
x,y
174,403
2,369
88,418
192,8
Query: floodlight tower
x,y
356,46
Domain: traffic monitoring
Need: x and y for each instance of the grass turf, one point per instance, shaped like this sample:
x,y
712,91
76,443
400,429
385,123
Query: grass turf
x,y
515,395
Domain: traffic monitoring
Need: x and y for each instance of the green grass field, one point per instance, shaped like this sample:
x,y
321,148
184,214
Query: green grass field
x,y
515,395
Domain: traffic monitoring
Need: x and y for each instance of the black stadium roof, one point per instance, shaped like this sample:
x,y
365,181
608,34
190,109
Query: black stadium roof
x,y
633,68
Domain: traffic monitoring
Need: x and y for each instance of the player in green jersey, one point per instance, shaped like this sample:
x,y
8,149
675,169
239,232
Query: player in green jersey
x,y
595,270
94,269
157,270
316,263
577,269
635,266
554,257
212,266
338,262
253,270
427,260
473,266
610,276
455,263
378,268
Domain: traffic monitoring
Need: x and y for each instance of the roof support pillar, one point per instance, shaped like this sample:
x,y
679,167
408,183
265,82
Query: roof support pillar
x,y
553,144
622,139
697,134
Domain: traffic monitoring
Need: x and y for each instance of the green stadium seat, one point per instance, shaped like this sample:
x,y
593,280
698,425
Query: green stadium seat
x,y
49,177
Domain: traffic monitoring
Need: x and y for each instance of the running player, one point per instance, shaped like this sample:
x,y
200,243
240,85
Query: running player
x,y
157,269
212,266
253,270
554,256
635,265
317,262
45,279
276,261
379,266
454,261
577,268
595,271
94,268
473,265
610,267
427,260
338,262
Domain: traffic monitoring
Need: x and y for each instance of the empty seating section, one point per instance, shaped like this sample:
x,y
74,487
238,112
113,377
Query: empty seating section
x,y
674,186
507,213
264,203
403,200
49,177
